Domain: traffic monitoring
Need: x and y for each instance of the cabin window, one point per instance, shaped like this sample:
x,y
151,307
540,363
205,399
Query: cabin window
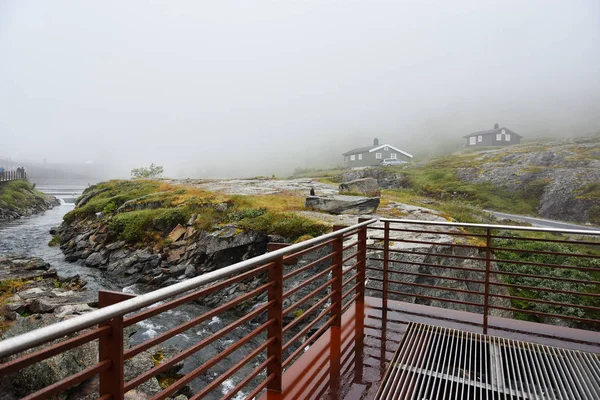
x,y
498,137
394,156
360,156
503,132
352,157
480,138
507,137
378,156
472,140
385,148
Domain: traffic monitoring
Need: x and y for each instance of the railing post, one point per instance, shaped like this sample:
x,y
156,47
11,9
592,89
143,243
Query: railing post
x,y
336,286
110,347
275,330
386,261
361,261
486,298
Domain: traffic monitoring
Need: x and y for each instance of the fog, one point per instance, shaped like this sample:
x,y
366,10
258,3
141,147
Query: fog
x,y
241,88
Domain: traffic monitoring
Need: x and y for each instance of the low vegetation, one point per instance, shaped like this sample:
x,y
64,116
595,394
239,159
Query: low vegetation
x,y
20,194
587,281
145,211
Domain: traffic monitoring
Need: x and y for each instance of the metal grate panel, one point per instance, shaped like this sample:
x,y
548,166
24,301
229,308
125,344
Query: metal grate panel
x,y
434,362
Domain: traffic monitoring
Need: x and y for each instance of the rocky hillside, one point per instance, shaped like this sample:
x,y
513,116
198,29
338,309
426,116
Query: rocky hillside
x,y
556,180
19,199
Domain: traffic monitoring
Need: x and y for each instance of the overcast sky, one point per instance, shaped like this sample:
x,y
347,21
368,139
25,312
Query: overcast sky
x,y
260,87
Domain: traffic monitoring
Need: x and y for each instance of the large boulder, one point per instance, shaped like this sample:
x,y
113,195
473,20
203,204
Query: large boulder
x,y
365,186
354,205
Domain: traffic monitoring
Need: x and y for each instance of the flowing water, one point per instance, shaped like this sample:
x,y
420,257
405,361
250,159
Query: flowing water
x,y
29,236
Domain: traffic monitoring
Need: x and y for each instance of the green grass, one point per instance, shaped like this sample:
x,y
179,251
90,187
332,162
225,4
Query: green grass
x,y
550,276
16,195
152,209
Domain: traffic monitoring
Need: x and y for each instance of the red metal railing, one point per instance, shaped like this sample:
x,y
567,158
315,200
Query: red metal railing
x,y
536,274
309,306
294,294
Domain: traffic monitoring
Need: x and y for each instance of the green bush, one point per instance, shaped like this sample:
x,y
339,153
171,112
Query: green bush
x,y
549,278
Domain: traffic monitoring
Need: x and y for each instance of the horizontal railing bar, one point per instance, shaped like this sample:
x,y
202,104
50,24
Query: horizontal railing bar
x,y
353,244
193,322
539,264
48,333
476,270
554,253
468,246
350,233
62,385
421,253
351,290
308,327
431,287
350,257
439,276
309,265
375,268
591,321
309,296
433,232
554,278
42,354
556,303
248,378
374,288
469,303
545,289
311,339
312,309
260,387
214,384
348,280
499,227
190,376
308,250
128,321
350,302
567,241
308,281
349,269
138,380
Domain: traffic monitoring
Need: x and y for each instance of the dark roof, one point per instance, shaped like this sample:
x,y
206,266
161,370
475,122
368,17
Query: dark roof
x,y
359,150
492,131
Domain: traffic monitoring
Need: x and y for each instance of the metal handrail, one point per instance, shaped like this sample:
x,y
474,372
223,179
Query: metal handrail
x,y
45,334
491,226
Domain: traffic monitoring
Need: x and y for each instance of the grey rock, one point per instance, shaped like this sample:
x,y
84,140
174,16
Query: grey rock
x,y
365,186
115,246
41,306
343,204
190,271
95,259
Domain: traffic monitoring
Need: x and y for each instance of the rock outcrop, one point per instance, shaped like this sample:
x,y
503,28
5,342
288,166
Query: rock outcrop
x,y
190,253
340,204
365,186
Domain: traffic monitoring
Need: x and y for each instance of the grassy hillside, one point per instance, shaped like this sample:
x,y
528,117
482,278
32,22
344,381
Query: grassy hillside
x,y
20,195
145,211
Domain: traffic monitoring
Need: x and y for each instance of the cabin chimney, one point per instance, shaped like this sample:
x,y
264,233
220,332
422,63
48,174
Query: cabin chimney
x,y
375,142
495,126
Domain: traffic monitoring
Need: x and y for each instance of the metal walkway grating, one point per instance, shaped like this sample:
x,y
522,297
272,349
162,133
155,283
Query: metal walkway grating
x,y
434,362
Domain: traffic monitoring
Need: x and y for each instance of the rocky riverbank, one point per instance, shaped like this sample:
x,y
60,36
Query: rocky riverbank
x,y
20,199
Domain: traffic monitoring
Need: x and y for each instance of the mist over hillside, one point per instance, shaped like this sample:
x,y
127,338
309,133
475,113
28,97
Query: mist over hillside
x,y
233,89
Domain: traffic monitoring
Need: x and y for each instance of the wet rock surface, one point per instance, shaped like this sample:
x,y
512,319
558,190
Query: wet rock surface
x,y
341,204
